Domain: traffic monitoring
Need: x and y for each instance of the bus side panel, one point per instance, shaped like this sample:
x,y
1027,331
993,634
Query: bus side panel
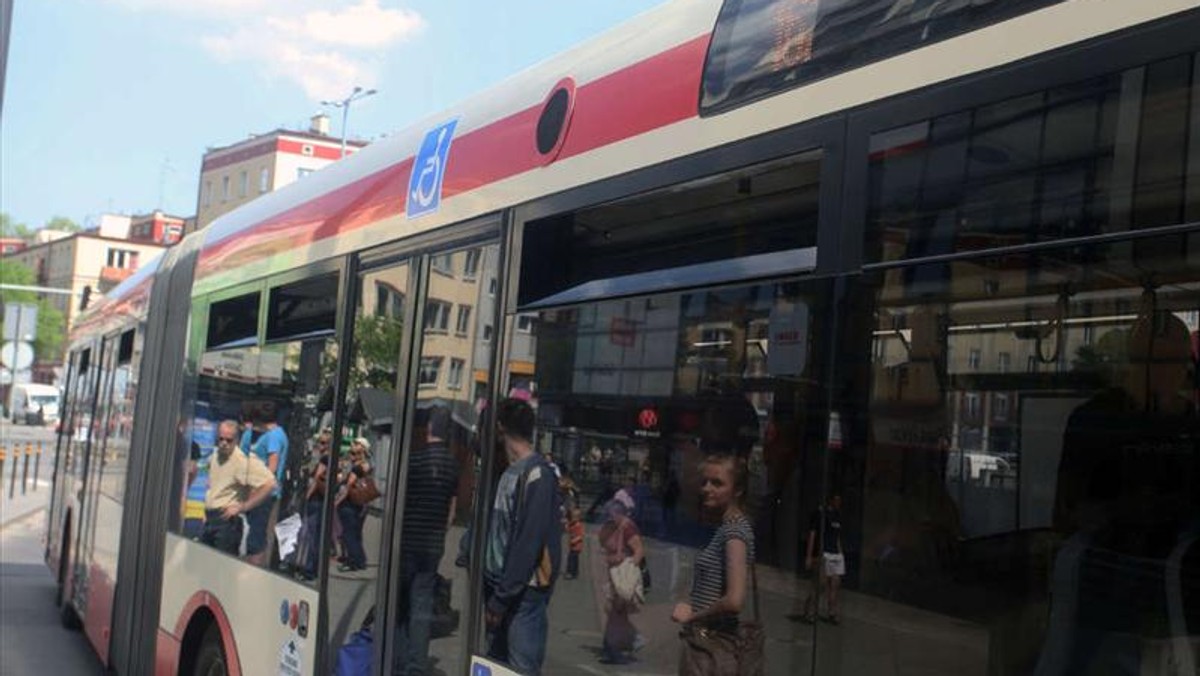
x,y
259,607
166,654
102,575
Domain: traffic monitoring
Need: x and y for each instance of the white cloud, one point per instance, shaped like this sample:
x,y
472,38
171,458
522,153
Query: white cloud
x,y
364,26
325,51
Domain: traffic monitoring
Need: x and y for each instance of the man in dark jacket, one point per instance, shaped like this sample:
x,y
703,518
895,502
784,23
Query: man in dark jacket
x,y
523,545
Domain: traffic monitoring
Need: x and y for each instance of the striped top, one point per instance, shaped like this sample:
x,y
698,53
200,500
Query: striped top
x,y
432,482
708,581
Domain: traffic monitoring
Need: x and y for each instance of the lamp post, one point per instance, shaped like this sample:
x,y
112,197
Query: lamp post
x,y
344,104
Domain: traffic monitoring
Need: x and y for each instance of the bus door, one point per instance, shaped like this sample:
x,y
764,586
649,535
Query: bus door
x,y
414,398
93,467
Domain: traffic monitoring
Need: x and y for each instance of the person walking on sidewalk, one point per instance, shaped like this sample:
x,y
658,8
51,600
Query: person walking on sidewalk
x,y
621,543
825,522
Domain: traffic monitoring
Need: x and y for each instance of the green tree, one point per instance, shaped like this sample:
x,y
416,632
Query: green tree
x,y
64,224
51,325
11,228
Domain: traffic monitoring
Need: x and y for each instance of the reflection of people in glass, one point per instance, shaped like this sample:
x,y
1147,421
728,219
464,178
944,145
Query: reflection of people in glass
x,y
314,497
825,533
523,545
1126,500
620,541
237,483
351,515
266,440
428,508
721,570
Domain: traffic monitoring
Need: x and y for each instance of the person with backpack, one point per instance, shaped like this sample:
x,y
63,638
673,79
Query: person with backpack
x,y
524,545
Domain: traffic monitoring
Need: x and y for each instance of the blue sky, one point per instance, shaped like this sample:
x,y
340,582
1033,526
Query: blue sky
x,y
109,104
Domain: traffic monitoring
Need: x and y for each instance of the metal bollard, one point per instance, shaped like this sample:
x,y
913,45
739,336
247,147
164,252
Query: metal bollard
x,y
12,484
25,467
37,463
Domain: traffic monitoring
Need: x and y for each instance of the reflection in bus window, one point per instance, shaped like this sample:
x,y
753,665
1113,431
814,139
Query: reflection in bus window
x,y
645,406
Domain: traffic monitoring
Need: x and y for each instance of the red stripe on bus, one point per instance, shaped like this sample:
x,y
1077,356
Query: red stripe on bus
x,y
606,111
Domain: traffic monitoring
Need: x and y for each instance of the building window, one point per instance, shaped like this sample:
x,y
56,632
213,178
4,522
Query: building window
x,y
264,180
1000,407
207,193
443,263
430,367
463,323
454,380
974,359
525,323
1005,361
243,184
471,266
971,405
487,333
492,285
389,302
437,316
122,259
224,188
301,172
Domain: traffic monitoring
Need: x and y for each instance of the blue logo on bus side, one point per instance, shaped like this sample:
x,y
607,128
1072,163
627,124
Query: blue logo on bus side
x,y
429,167
481,670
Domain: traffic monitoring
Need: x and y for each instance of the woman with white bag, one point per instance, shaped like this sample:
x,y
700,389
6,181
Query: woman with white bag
x,y
623,553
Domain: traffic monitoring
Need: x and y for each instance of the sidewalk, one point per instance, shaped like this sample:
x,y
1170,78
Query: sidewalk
x,y
21,506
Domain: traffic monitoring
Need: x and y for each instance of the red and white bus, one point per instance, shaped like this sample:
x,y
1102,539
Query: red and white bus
x,y
850,242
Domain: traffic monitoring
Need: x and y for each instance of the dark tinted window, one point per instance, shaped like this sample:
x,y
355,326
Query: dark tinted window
x,y
233,321
305,308
763,209
1100,156
765,46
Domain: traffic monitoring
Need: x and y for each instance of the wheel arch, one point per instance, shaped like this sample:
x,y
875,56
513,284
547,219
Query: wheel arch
x,y
202,611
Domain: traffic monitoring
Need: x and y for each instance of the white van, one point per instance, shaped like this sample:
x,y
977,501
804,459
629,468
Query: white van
x,y
27,400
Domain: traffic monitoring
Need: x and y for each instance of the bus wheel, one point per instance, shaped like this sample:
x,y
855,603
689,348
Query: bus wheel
x,y
210,659
68,615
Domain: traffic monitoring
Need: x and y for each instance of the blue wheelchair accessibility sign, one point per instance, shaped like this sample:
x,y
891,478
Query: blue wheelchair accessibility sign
x,y
429,167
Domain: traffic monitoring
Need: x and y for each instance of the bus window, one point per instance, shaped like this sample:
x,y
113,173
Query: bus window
x,y
367,456
637,400
264,406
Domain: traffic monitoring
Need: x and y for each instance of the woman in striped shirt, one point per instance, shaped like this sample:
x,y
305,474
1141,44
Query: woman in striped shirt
x,y
719,582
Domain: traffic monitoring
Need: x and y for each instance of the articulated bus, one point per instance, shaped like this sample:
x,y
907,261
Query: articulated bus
x,y
933,264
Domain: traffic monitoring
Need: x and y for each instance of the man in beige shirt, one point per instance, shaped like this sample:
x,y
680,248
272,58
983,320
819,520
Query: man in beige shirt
x,y
236,484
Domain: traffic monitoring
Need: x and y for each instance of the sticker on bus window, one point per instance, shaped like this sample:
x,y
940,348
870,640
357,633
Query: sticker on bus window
x,y
428,170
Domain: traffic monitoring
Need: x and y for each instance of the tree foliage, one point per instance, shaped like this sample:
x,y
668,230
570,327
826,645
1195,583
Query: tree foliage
x,y
11,228
63,224
51,325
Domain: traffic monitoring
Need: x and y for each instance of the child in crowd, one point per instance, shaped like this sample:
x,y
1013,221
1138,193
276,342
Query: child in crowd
x,y
575,535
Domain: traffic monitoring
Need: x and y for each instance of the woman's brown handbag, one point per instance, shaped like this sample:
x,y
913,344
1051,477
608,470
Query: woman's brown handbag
x,y
725,652
363,491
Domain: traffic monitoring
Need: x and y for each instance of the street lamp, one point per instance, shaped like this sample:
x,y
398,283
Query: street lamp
x,y
344,104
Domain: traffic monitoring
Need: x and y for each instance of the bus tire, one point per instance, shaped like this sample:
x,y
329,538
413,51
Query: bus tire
x,y
210,658
62,565
69,616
